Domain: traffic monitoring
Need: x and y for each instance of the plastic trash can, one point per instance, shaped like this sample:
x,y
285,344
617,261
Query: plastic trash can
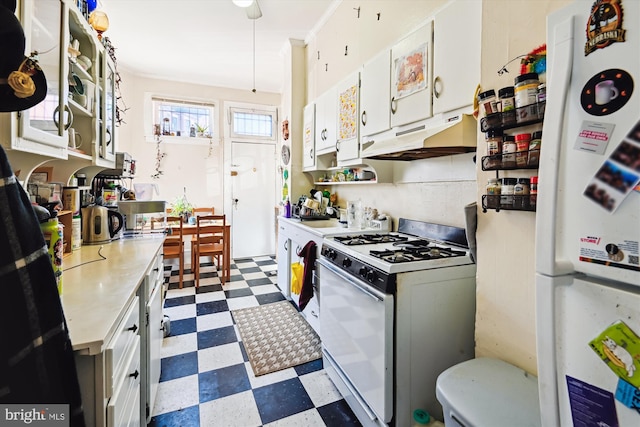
x,y
486,392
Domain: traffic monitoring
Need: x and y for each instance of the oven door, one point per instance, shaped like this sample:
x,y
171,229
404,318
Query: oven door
x,y
357,340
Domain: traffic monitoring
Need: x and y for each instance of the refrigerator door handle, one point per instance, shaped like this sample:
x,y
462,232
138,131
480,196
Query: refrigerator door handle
x,y
558,83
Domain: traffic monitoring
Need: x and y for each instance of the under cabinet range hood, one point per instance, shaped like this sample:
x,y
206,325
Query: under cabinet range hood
x,y
441,135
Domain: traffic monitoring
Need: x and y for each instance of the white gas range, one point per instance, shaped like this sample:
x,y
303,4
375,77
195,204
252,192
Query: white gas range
x,y
397,310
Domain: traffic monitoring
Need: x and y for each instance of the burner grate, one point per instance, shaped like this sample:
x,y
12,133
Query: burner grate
x,y
420,253
369,239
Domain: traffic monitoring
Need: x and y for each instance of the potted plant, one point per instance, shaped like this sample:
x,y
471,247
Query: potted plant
x,y
182,208
200,130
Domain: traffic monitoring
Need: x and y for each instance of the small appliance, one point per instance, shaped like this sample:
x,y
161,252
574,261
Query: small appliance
x,y
100,224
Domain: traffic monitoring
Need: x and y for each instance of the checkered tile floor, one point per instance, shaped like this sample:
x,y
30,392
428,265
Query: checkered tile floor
x,y
206,377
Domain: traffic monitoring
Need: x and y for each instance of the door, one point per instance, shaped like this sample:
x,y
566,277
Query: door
x,y
156,335
253,183
587,360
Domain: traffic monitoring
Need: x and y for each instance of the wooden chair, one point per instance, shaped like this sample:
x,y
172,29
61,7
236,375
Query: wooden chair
x,y
210,241
173,246
196,213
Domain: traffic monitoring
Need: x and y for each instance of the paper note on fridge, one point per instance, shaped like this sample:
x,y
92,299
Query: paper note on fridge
x,y
619,347
618,175
594,136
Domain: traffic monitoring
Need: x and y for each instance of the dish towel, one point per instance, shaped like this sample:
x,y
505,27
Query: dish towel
x,y
36,357
308,253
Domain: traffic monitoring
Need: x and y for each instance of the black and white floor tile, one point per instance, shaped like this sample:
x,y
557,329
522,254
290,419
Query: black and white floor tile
x,y
206,378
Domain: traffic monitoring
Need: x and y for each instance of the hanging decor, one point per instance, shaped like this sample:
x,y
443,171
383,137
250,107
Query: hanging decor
x,y
159,155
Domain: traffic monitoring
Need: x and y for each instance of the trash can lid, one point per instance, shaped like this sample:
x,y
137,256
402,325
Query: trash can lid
x,y
490,392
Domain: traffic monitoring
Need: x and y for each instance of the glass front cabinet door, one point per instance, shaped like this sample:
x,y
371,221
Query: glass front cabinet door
x,y
42,128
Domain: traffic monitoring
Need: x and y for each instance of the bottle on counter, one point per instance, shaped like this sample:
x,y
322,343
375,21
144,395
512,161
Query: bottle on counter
x,y
287,209
52,231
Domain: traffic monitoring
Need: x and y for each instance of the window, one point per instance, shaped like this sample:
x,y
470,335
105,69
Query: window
x,y
251,123
173,117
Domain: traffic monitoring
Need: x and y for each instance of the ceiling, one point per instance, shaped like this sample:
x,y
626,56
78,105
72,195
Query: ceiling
x,y
210,42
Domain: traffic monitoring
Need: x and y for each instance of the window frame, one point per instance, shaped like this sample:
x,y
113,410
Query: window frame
x,y
272,111
149,120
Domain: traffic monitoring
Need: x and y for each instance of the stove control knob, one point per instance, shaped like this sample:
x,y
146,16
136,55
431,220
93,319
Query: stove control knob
x,y
363,271
346,263
371,276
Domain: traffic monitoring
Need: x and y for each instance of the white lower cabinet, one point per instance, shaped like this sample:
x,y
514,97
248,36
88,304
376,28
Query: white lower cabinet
x,y
291,240
119,383
120,409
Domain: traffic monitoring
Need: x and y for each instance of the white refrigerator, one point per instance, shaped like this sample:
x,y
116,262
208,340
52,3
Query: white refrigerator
x,y
588,218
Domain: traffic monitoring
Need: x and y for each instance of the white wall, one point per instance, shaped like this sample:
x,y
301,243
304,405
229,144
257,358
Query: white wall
x,y
183,166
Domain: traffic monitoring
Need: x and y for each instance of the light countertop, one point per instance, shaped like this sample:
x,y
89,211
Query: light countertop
x,y
96,292
329,227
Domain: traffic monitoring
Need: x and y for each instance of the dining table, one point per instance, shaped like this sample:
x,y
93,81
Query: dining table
x,y
191,229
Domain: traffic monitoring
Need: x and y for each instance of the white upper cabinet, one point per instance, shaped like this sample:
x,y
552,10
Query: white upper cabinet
x,y
375,95
326,118
456,55
308,137
411,65
348,145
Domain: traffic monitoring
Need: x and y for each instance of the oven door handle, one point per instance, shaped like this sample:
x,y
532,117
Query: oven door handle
x,y
349,280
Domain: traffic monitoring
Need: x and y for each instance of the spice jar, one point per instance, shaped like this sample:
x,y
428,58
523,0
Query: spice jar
x,y
525,92
542,98
508,151
493,193
522,149
533,191
487,101
507,105
494,148
521,193
507,191
534,148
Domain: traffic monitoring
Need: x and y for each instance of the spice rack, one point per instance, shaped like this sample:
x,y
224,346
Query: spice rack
x,y
519,117
529,115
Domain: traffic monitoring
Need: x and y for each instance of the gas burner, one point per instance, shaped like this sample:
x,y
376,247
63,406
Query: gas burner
x,y
413,245
368,239
415,254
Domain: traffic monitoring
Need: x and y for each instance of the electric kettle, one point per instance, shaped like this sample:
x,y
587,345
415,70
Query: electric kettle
x,y
100,224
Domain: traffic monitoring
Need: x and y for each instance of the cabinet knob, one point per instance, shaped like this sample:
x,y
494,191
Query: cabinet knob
x,y
134,328
363,118
135,374
394,105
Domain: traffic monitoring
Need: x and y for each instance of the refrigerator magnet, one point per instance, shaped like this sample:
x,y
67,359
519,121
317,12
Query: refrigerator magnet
x,y
604,25
619,347
606,92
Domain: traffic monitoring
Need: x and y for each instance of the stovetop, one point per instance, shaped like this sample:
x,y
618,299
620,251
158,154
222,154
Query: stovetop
x,y
436,246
